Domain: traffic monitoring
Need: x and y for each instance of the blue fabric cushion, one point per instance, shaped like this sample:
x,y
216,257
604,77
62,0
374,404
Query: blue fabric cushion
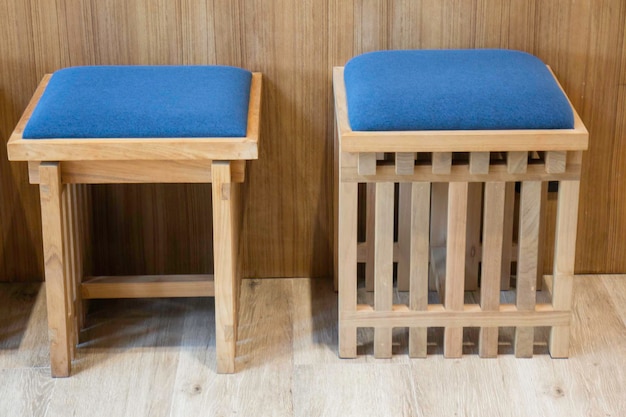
x,y
453,90
143,101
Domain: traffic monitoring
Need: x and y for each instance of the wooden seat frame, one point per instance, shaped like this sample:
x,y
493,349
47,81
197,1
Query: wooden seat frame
x,y
63,168
496,159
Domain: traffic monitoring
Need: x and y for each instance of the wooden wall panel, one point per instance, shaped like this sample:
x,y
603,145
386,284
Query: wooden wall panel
x,y
288,228
20,224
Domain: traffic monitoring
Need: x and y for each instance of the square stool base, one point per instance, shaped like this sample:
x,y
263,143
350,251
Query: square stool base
x,y
475,173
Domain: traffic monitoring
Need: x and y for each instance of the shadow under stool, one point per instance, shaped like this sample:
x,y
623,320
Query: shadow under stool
x,y
440,139
137,124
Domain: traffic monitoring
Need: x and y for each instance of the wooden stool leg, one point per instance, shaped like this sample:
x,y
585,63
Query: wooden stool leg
x,y
564,256
346,260
225,258
51,190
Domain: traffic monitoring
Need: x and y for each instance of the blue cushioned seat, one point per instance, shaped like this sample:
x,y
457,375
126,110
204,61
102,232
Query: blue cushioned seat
x,y
484,89
143,102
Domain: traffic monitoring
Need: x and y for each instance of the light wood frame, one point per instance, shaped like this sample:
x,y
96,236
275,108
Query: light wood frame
x,y
497,159
64,167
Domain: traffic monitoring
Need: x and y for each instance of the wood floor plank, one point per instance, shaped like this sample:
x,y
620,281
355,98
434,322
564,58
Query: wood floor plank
x,y
615,285
314,323
126,364
264,359
378,389
157,358
23,326
25,392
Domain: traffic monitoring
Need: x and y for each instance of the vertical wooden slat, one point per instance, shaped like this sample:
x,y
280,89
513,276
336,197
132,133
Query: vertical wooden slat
x,y
493,228
507,239
383,264
77,251
348,206
370,233
225,261
555,162
564,256
59,332
526,294
442,162
472,246
543,223
438,221
404,235
455,265
517,162
419,255
82,248
405,163
367,163
479,163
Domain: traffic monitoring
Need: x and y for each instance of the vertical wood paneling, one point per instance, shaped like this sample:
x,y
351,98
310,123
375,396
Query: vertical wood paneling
x,y
21,256
492,23
618,222
371,28
288,194
197,32
521,25
78,32
404,24
599,111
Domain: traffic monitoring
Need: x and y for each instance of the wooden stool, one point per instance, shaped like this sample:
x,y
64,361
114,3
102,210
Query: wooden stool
x,y
112,125
450,124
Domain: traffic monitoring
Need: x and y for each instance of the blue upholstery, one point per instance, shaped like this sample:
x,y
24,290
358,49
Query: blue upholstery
x,y
453,90
143,101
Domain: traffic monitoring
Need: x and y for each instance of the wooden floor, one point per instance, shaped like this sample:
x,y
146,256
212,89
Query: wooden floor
x,y
157,358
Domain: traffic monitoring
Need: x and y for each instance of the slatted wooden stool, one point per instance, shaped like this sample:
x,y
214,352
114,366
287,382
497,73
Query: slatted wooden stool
x,y
134,124
457,121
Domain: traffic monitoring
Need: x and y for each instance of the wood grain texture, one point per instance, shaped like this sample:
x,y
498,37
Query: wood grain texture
x,y
418,265
527,262
225,253
56,264
493,227
288,223
455,264
164,353
348,204
383,264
